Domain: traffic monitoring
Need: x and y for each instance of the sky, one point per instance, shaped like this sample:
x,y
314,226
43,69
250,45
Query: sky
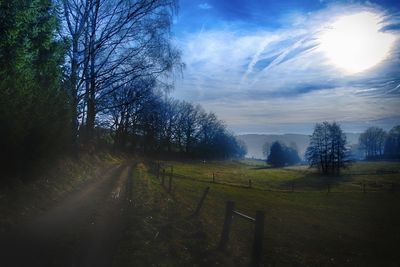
x,y
267,66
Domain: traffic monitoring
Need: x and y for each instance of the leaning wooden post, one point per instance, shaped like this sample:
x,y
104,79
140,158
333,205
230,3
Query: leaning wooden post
x,y
200,204
258,239
230,206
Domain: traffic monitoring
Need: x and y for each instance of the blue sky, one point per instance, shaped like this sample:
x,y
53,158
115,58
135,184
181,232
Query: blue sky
x,y
260,67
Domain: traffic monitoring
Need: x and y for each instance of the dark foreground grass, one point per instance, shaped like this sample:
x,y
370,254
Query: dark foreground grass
x,y
306,228
160,231
20,201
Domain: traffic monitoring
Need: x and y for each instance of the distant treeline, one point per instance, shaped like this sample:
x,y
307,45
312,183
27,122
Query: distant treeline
x,y
378,144
77,73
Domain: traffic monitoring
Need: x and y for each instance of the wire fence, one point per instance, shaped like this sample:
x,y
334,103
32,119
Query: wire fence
x,y
163,171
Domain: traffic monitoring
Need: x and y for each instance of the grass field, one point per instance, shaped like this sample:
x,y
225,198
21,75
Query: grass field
x,y
307,227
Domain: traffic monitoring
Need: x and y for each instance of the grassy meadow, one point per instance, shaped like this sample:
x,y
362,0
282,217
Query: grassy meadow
x,y
306,227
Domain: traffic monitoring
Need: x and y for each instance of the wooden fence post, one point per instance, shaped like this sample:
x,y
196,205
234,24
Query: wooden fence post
x,y
170,183
213,178
200,204
258,239
230,206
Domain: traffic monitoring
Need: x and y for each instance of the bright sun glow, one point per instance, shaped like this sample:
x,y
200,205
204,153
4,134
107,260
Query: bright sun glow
x,y
355,43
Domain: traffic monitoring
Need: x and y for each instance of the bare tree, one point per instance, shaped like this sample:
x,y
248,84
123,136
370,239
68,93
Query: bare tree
x,y
113,43
392,143
74,16
372,141
327,150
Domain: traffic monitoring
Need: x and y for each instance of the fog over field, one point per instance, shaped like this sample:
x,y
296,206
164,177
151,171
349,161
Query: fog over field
x,y
255,142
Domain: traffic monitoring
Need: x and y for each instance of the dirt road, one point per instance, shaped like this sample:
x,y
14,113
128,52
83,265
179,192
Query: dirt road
x,y
82,230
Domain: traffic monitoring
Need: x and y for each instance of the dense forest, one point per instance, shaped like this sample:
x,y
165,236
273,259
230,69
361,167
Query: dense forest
x,y
82,74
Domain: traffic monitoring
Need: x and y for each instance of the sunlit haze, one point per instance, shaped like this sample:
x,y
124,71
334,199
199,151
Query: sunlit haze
x,y
355,43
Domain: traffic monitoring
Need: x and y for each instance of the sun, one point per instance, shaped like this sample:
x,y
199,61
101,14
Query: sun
x,y
355,43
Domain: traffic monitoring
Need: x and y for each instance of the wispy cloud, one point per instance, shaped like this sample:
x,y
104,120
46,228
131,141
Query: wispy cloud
x,y
205,6
269,77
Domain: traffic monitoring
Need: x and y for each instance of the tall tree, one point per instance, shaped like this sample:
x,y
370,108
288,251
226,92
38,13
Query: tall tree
x,y
276,156
392,143
114,43
33,110
372,141
327,150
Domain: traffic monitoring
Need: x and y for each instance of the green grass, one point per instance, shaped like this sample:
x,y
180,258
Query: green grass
x,y
306,228
159,231
300,177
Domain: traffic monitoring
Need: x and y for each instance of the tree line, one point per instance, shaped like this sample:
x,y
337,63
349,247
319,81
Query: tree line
x,y
164,126
379,144
327,150
79,73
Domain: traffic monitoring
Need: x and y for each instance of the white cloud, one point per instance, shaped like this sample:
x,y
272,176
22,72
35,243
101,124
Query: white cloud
x,y
275,77
204,6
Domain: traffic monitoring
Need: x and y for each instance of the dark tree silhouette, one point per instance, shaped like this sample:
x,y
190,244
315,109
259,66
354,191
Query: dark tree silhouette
x,y
392,143
327,150
372,142
281,155
33,107
113,43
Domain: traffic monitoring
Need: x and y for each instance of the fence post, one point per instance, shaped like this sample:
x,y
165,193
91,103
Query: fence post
x,y
213,178
163,177
258,239
250,183
230,206
200,204
170,183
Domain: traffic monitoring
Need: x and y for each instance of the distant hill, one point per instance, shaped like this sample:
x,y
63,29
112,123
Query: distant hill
x,y
255,142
